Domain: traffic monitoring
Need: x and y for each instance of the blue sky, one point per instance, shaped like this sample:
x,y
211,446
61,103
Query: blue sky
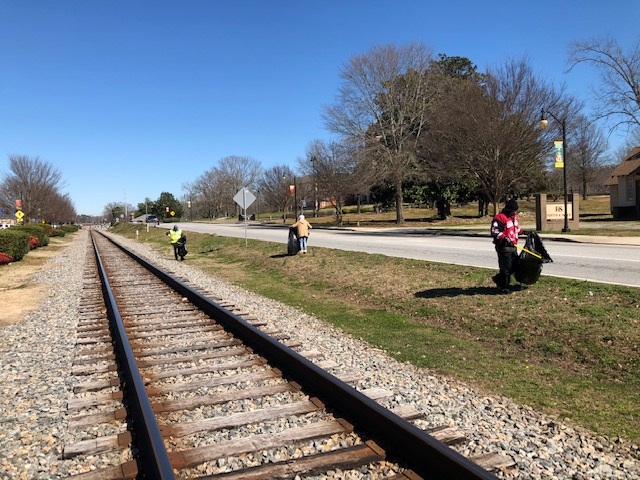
x,y
128,99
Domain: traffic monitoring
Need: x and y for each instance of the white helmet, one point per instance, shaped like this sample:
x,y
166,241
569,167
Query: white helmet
x,y
301,217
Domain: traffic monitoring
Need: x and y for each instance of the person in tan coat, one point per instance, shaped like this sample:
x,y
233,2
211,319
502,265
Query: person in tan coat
x,y
302,230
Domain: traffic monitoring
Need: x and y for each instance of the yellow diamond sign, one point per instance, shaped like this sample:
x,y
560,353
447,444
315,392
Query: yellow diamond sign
x,y
19,214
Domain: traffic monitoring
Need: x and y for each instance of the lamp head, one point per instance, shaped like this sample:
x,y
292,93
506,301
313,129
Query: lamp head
x,y
543,121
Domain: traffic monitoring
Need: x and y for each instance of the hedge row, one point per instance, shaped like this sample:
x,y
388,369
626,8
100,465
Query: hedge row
x,y
14,243
38,230
69,228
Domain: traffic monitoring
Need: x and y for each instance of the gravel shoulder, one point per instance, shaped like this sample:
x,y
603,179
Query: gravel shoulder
x,y
19,291
36,352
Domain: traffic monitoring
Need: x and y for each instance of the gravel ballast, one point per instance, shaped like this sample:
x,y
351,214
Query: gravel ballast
x,y
36,354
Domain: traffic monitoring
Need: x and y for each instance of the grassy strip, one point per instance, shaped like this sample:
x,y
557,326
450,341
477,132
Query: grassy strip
x,y
569,347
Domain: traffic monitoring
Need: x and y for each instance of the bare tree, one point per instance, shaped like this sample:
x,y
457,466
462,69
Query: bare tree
x,y
489,132
623,150
235,172
32,181
189,199
618,96
207,188
588,147
274,188
330,166
382,105
212,192
59,210
113,212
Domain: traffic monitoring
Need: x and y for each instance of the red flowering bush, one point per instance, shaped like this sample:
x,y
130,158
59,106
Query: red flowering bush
x,y
33,242
51,231
14,243
4,258
35,229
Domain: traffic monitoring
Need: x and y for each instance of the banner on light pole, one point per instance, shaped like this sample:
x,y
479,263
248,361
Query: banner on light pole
x,y
557,146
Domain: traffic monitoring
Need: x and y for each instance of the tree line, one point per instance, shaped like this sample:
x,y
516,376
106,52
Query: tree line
x,y
412,126
34,186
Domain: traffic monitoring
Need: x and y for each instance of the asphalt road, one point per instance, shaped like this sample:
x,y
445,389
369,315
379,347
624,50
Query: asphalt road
x,y
577,257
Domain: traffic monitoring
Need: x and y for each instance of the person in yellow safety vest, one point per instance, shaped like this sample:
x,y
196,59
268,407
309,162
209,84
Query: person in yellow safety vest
x,y
177,240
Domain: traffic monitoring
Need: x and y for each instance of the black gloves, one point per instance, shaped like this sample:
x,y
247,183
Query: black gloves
x,y
508,242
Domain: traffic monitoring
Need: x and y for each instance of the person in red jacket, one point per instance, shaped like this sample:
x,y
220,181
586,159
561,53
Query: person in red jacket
x,y
505,230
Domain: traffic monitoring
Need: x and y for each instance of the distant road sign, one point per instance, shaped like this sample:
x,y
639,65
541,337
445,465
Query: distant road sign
x,y
19,214
244,197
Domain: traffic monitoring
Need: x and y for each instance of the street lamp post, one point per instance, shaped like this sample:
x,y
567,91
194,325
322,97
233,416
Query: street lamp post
x,y
543,124
295,193
315,187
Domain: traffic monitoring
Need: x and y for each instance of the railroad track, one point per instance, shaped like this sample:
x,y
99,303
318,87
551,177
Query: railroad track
x,y
174,383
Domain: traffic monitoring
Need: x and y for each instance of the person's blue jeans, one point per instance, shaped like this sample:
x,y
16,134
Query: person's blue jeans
x,y
303,244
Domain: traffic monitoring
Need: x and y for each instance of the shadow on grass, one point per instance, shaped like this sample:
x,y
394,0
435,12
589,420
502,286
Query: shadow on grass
x,y
594,217
433,220
457,292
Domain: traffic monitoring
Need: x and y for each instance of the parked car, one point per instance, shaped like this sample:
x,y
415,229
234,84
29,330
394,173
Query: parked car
x,y
153,219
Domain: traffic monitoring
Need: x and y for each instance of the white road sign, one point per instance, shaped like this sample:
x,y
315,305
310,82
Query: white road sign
x,y
244,197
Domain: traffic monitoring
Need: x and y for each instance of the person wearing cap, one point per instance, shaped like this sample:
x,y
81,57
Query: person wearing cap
x,y
177,239
302,230
505,230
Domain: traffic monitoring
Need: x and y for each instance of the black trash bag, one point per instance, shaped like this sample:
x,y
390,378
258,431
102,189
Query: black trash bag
x,y
293,247
530,260
182,247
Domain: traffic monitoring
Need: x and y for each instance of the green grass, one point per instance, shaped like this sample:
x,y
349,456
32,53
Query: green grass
x,y
571,348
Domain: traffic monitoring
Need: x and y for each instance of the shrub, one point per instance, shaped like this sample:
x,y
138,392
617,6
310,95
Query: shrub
x,y
4,258
14,243
38,230
354,209
52,231
69,228
33,242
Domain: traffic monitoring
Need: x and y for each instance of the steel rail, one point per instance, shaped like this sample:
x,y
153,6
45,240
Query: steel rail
x,y
153,459
418,450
